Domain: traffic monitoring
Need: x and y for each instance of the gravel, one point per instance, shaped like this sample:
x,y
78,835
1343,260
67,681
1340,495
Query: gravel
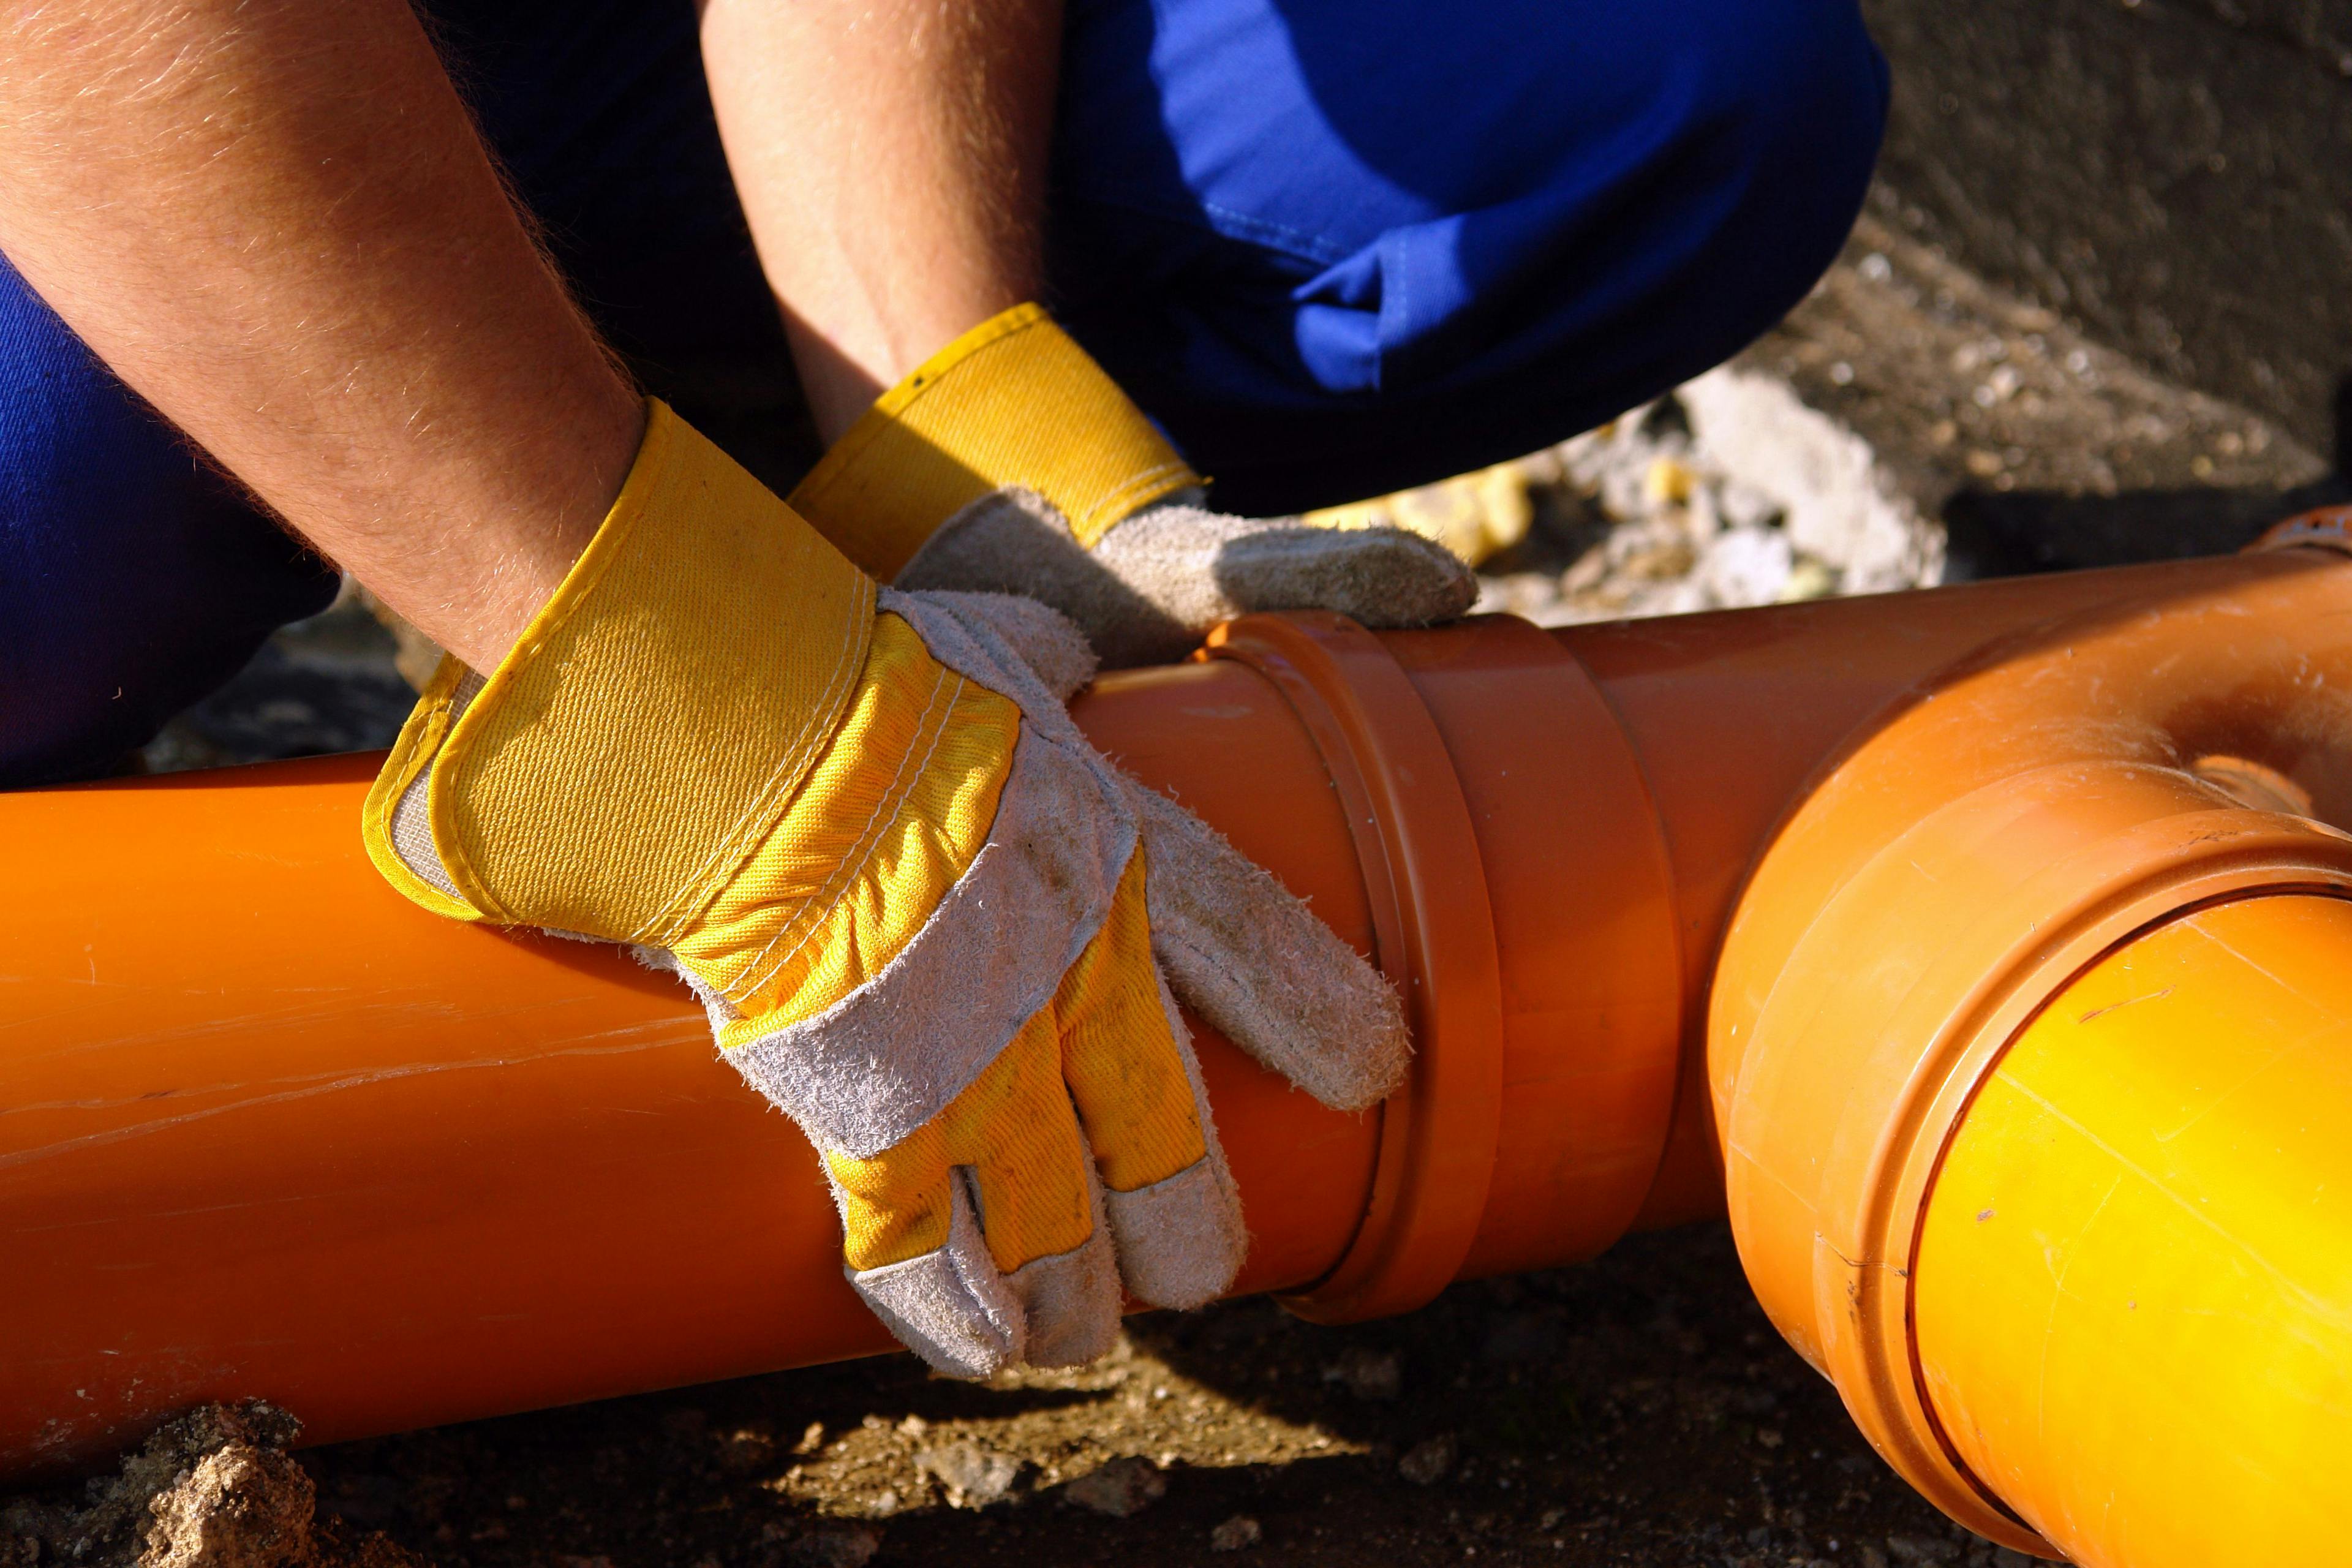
x,y
1430,1462
1119,1490
1369,1372
1236,1534
974,1476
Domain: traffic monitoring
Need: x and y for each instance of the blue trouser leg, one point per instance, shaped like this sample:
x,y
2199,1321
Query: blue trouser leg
x,y
1334,247
133,580
1337,247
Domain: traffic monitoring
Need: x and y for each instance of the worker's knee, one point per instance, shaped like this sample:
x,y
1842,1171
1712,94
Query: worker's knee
x,y
1350,246
132,581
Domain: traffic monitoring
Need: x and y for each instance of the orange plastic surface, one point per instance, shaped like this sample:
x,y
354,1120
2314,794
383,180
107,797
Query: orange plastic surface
x,y
1590,1005
1736,716
2005,824
266,1129
1433,937
2133,1282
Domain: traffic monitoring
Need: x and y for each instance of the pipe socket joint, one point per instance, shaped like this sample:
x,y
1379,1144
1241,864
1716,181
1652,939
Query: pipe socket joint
x,y
2012,821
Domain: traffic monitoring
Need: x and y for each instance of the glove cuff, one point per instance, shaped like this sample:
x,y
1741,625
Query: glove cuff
x,y
1012,402
652,722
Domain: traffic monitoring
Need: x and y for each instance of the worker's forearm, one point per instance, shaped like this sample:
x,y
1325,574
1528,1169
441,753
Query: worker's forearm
x,y
273,219
891,158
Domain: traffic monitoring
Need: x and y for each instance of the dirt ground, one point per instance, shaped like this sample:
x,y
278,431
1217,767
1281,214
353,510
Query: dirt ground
x,y
1635,1410
2037,447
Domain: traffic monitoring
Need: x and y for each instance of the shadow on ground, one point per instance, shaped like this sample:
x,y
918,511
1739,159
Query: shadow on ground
x,y
1638,1409
1991,534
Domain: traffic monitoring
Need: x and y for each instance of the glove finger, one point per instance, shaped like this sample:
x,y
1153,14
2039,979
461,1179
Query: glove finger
x,y
1380,576
1251,958
1167,1196
937,1227
1033,1174
1149,590
1195,568
1013,541
1070,1299
949,1303
1041,637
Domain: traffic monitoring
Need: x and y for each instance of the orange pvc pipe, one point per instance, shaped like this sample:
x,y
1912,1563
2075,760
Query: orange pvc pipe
x,y
2033,807
1743,905
265,1130
2135,1279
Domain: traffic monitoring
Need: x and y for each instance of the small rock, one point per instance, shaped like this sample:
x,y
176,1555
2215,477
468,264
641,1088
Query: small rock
x,y
1428,1462
1238,1533
1750,566
242,1505
2002,1557
1660,561
974,1476
747,1449
1872,1557
1921,1549
840,1545
1119,1489
1668,481
1810,579
213,1488
1742,505
1369,1373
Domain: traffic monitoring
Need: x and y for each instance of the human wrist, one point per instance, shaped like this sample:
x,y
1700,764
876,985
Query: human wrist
x,y
701,613
493,535
1012,402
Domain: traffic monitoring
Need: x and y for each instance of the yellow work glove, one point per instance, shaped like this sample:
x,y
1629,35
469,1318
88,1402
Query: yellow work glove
x,y
1010,463
922,912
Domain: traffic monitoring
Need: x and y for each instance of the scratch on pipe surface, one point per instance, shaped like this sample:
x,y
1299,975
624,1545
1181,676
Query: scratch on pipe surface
x,y
2058,1297
666,1028
380,1015
2320,1307
210,1028
627,1031
2126,1001
2202,929
147,1216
